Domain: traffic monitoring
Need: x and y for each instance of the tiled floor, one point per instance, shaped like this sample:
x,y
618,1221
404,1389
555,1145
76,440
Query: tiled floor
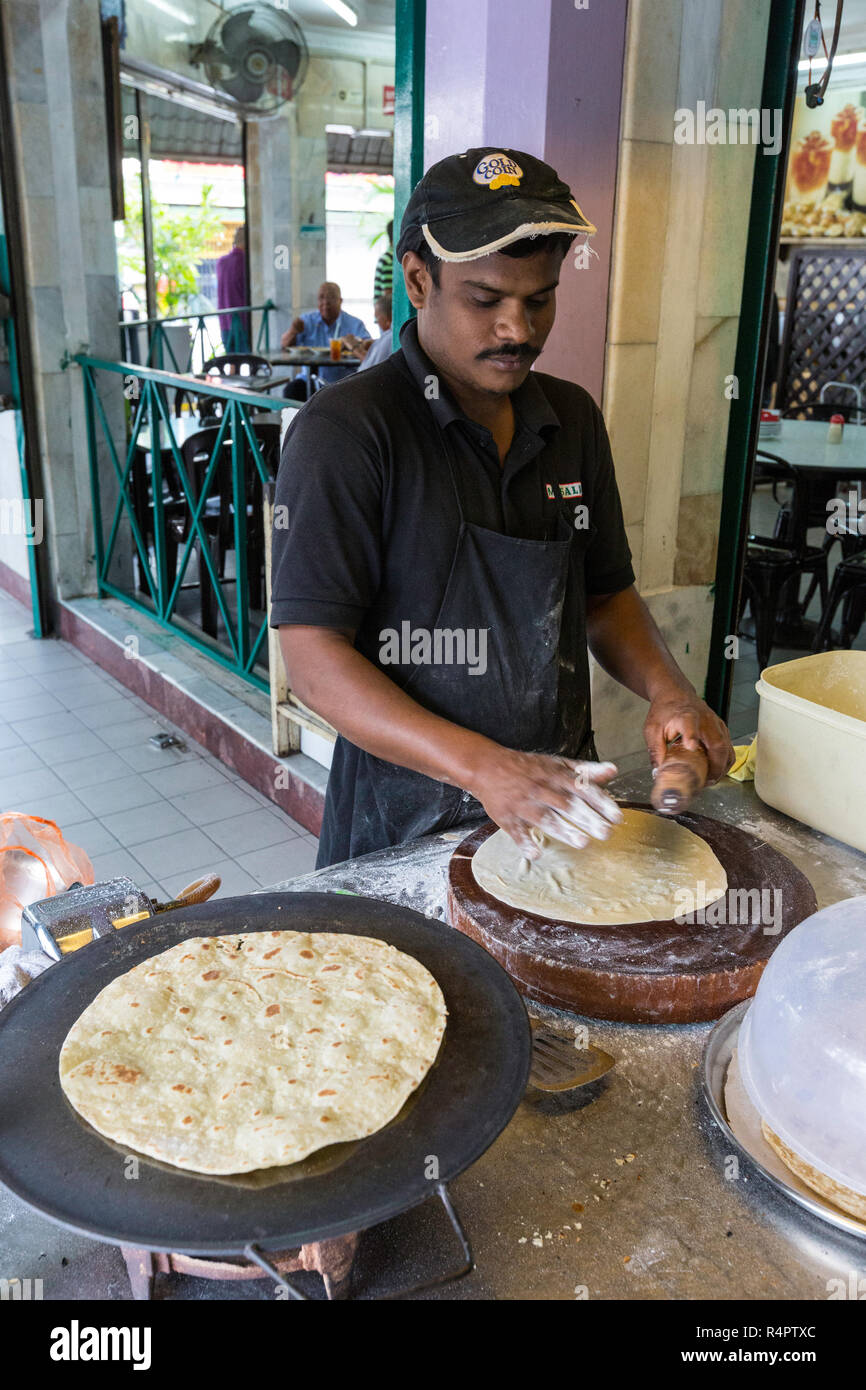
x,y
74,748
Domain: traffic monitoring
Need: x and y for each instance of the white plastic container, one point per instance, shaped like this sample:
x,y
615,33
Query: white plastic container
x,y
811,760
802,1045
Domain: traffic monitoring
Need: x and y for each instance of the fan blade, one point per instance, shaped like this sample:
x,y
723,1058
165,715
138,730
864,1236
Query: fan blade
x,y
287,55
241,88
236,36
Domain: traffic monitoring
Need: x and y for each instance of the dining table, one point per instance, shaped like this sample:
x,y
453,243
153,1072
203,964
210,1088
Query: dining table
x,y
804,445
257,382
311,357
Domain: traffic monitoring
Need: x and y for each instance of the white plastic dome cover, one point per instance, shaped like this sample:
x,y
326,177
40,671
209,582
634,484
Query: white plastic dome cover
x,y
802,1045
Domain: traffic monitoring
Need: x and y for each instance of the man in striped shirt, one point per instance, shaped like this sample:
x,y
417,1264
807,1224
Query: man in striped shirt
x,y
384,278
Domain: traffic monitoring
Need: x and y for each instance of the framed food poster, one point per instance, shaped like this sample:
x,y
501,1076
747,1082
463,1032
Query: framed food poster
x,y
825,192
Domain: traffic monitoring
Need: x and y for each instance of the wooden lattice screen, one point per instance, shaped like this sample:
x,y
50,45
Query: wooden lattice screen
x,y
825,325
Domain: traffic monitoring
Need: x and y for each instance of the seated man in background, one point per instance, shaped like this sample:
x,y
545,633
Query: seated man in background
x,y
373,350
316,329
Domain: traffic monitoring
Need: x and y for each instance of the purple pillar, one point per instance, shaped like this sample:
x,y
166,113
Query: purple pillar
x,y
587,50
545,77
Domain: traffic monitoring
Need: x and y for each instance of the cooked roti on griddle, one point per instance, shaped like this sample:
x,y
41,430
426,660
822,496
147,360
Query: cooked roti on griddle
x,y
226,1054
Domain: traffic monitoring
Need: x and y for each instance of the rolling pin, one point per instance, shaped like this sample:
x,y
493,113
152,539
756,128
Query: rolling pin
x,y
680,777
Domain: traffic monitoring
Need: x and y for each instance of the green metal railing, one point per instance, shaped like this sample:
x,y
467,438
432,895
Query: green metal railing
x,y
160,353
145,389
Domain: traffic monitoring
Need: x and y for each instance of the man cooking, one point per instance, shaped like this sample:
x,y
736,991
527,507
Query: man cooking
x,y
454,540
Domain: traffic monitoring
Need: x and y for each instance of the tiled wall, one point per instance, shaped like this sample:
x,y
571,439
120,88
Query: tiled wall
x,y
679,249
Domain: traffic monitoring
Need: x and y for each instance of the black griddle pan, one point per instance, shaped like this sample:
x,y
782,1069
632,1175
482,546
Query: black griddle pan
x,y
59,1165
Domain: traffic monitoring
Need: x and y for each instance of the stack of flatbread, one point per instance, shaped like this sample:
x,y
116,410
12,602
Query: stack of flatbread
x,y
226,1054
822,1183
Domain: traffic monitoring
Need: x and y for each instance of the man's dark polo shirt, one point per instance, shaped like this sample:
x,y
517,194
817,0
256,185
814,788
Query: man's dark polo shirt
x,y
372,520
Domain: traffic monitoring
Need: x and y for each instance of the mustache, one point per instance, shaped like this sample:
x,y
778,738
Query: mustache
x,y
516,350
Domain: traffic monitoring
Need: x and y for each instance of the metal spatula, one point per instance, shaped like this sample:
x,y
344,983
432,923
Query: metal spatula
x,y
557,1065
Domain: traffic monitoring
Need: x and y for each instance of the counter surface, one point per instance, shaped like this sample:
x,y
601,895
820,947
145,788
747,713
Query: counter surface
x,y
625,1190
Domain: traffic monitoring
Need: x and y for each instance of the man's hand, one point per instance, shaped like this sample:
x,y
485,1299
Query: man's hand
x,y
360,346
561,796
625,640
291,333
681,712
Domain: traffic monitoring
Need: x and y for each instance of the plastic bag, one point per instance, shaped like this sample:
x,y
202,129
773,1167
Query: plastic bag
x,y
35,862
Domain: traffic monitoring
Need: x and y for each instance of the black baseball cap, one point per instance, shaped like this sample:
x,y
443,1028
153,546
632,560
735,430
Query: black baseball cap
x,y
472,204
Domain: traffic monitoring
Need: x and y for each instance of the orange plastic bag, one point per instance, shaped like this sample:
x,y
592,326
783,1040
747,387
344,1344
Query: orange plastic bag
x,y
35,862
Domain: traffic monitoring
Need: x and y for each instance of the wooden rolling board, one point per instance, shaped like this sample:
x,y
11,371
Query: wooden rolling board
x,y
647,972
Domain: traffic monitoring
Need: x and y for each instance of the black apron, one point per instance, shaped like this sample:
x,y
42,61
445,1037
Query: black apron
x,y
533,696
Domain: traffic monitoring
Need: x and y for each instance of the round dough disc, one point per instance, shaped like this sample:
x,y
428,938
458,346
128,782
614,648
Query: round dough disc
x,y
226,1054
650,869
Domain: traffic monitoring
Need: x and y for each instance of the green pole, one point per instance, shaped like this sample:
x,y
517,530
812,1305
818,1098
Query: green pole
x,y
158,508
411,28
95,489
765,215
239,487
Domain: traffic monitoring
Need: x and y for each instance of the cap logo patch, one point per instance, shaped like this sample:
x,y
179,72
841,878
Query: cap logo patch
x,y
494,170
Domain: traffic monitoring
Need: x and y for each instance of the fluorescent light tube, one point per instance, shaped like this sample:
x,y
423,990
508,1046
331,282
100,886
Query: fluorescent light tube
x,y
344,11
842,60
